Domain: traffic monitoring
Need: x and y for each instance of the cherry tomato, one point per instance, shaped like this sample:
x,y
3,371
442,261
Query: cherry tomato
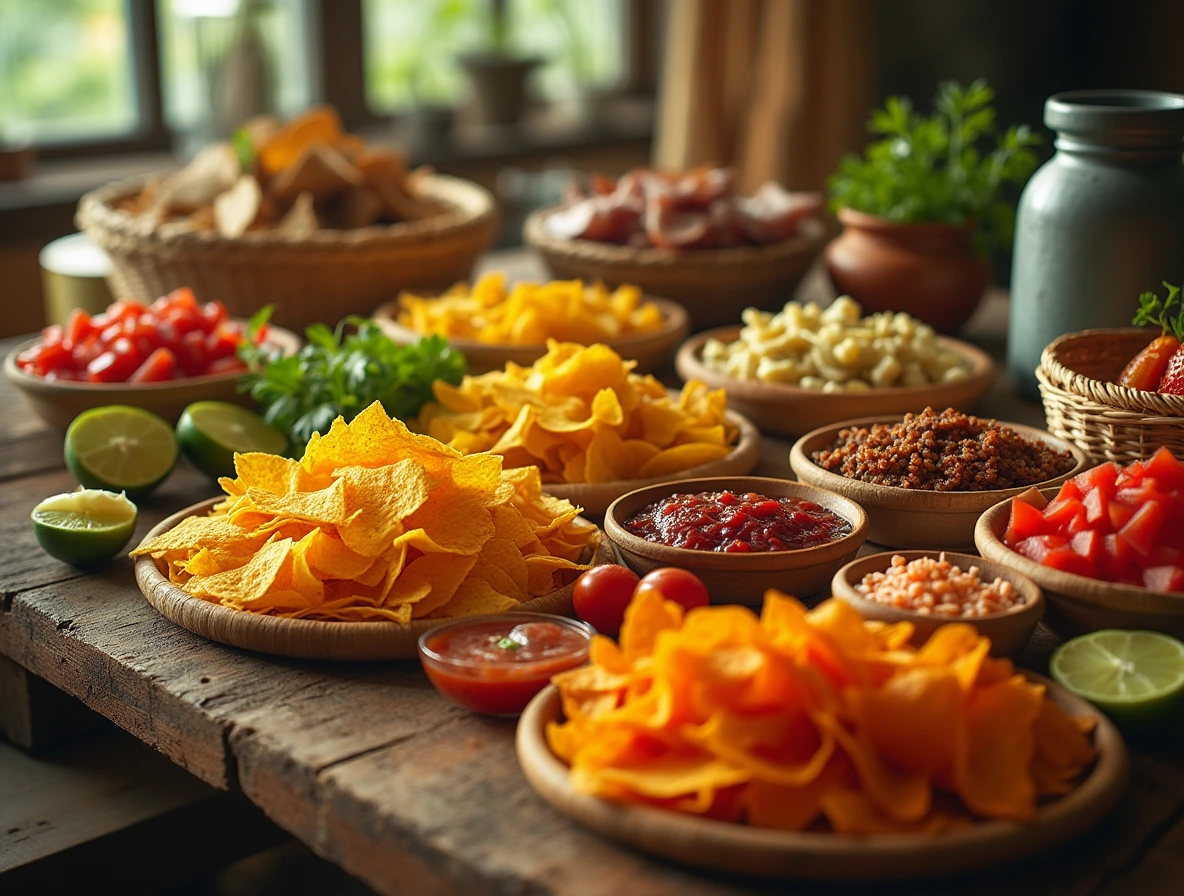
x,y
677,585
601,596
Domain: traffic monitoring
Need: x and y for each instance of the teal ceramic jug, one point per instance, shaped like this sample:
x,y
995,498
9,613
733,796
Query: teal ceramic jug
x,y
1100,222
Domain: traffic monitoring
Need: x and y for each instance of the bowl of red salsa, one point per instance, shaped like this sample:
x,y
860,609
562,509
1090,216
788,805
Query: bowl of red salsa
x,y
741,535
159,356
494,665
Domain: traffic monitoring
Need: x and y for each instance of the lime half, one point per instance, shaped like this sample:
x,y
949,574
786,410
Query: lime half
x,y
211,432
84,527
1135,677
121,449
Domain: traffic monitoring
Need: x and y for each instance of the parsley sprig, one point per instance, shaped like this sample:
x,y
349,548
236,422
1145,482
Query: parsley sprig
x,y
342,372
947,167
1167,314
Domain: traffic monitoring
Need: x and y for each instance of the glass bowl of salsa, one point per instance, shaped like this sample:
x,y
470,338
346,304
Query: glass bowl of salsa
x,y
741,535
494,665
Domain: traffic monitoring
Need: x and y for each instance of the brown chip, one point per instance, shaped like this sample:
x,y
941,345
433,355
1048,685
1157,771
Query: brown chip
x,y
358,207
321,171
238,208
213,171
301,220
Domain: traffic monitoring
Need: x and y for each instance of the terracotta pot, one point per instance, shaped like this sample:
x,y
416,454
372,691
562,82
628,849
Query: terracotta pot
x,y
499,85
931,271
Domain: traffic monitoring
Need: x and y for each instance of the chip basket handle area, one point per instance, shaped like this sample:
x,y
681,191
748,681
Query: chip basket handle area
x,y
306,638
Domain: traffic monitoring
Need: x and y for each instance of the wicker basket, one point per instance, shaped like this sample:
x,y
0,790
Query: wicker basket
x,y
714,285
1083,404
321,278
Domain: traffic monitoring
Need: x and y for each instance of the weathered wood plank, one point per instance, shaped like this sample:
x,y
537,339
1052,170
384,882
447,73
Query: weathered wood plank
x,y
36,716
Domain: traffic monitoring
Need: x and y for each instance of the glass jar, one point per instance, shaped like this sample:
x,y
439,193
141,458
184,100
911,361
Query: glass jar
x,y
1100,222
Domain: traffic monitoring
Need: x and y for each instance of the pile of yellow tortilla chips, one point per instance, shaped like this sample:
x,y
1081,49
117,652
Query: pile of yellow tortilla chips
x,y
376,522
581,415
813,720
531,313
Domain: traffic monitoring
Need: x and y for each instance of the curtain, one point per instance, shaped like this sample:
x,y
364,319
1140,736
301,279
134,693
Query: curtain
x,y
778,88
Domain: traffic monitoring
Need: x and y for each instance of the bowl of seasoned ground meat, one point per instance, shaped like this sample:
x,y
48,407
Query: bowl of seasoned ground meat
x,y
924,479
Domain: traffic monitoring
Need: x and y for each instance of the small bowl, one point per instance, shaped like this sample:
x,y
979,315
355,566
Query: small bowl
x,y
917,518
1009,630
498,689
58,402
651,349
712,284
1078,604
788,410
740,578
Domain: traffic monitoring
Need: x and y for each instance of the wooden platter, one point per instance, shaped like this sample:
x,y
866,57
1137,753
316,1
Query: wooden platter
x,y
305,638
650,349
757,852
595,497
786,410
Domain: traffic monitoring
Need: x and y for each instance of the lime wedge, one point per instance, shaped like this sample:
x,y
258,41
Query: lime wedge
x,y
1135,677
211,432
120,448
84,527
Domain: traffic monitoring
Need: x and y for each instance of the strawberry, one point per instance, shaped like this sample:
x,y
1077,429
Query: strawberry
x,y
1172,381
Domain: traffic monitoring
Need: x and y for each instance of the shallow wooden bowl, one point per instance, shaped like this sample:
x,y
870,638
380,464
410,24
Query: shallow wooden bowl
x,y
740,578
1077,604
916,518
714,285
818,855
596,497
58,402
787,410
1009,631
311,639
650,350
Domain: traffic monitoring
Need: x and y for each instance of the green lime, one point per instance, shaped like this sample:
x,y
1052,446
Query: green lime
x,y
1134,677
84,527
211,432
120,448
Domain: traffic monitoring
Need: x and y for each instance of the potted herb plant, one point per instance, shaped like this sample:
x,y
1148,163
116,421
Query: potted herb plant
x,y
924,205
496,75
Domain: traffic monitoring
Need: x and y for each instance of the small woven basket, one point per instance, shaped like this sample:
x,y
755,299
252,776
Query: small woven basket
x,y
1083,404
321,278
713,285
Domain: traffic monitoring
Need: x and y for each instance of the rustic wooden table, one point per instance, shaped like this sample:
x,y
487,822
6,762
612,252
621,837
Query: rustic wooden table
x,y
367,765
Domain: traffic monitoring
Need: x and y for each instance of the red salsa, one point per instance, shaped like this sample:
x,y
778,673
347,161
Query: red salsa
x,y
734,523
495,666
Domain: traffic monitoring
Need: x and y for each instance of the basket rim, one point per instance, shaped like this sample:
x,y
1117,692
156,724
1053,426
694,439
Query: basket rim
x,y
1107,397
808,243
470,207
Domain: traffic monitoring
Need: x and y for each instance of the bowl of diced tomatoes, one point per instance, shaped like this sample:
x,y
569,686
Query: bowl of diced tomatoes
x,y
160,357
1107,547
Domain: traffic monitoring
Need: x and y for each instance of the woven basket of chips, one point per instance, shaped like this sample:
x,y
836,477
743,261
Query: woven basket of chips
x,y
320,276
1083,404
714,285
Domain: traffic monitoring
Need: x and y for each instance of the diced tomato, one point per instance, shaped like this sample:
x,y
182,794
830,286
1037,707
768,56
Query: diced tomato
x,y
1164,578
1037,547
157,367
1087,543
124,309
110,367
191,353
214,313
1118,559
227,365
50,357
1070,489
1067,560
1141,529
1102,476
1164,467
1026,521
52,333
1120,514
182,298
1096,505
78,327
1060,513
221,343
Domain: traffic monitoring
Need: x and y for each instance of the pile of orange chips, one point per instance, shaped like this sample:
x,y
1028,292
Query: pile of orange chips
x,y
376,522
580,414
812,719
531,313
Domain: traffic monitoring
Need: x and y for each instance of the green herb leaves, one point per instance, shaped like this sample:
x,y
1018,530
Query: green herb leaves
x,y
340,373
1167,314
939,168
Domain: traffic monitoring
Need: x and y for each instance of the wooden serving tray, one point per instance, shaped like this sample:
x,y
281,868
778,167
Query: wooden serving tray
x,y
311,639
760,852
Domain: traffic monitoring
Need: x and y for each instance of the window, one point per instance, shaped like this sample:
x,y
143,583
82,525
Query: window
x,y
65,70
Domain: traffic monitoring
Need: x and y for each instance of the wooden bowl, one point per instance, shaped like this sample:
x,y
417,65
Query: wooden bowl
x,y
916,518
786,410
58,402
740,578
712,284
819,855
650,350
313,639
595,497
1009,631
1077,604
